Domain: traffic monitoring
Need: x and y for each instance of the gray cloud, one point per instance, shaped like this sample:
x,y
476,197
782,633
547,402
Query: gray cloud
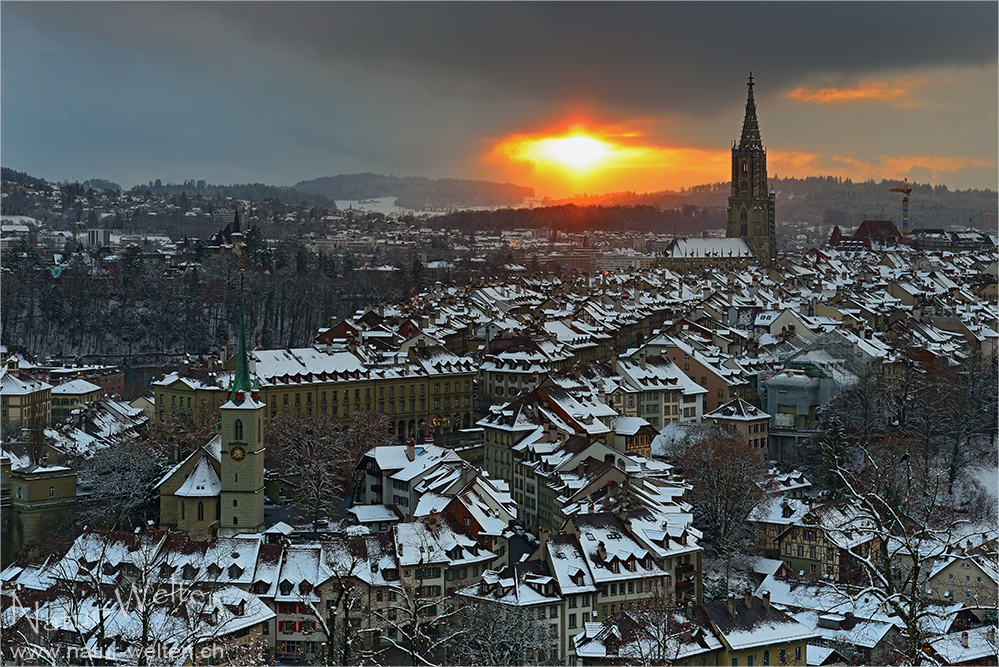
x,y
294,90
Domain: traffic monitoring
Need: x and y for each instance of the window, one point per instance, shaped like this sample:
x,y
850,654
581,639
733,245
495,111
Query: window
x,y
766,657
51,492
735,661
237,430
751,660
572,620
235,520
783,656
201,511
797,652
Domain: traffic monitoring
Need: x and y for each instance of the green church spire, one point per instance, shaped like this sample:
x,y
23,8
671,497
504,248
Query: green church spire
x,y
241,382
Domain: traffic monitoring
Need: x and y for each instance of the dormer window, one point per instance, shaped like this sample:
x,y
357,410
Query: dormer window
x,y
305,587
286,587
235,571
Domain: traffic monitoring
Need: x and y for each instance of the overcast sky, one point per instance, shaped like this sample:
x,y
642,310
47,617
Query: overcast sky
x,y
278,92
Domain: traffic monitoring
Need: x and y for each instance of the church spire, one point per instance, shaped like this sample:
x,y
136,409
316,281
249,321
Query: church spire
x,y
241,382
750,125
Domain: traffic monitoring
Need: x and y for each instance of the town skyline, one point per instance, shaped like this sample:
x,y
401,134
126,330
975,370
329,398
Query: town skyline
x,y
612,98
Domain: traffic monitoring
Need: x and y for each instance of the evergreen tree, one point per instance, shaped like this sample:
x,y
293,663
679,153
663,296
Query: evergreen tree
x,y
833,457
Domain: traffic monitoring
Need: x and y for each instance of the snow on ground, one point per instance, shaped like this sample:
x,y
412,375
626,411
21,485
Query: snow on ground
x,y
988,476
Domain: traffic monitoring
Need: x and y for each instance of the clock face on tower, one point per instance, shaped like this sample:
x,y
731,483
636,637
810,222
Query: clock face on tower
x,y
237,453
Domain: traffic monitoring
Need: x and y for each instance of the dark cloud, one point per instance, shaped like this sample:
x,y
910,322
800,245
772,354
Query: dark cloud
x,y
652,56
291,90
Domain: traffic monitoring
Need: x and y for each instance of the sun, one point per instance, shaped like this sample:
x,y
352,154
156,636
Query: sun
x,y
579,153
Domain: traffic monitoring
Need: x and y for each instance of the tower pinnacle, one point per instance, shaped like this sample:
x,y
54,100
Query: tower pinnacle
x,y
750,125
241,382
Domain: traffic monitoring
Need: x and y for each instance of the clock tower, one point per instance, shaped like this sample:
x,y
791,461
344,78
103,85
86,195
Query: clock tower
x,y
242,466
751,204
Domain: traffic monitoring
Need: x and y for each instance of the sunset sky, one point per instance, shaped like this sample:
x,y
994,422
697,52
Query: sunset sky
x,y
566,97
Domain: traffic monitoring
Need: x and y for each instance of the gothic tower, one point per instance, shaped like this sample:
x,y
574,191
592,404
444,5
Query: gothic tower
x,y
242,467
751,203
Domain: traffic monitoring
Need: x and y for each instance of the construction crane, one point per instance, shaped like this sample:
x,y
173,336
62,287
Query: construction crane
x,y
906,191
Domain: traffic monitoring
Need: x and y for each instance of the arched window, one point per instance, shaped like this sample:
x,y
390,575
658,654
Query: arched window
x,y
218,510
744,216
745,168
183,508
51,492
766,657
235,520
745,188
201,511
235,478
235,503
237,430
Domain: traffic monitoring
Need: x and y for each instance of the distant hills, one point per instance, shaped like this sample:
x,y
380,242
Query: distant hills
x,y
418,193
827,201
822,201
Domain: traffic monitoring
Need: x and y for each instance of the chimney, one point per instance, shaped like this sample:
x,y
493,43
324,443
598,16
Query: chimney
x,y
990,636
731,604
224,354
641,360
749,599
602,552
411,449
849,621
433,521
766,600
329,348
964,639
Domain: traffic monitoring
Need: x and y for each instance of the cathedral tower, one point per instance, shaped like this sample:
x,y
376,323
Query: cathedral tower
x,y
751,203
242,465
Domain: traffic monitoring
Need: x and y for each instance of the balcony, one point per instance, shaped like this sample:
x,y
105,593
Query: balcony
x,y
686,586
686,568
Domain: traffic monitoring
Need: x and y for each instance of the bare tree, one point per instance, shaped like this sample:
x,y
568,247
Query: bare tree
x,y
308,451
727,481
907,518
121,477
494,633
420,617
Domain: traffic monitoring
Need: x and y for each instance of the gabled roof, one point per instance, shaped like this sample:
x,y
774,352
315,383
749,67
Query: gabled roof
x,y
737,410
203,482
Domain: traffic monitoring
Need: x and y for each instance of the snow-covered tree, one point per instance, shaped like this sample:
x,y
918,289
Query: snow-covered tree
x,y
494,633
121,477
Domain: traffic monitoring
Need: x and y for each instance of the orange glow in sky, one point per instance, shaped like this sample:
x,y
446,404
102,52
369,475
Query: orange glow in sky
x,y
562,163
867,91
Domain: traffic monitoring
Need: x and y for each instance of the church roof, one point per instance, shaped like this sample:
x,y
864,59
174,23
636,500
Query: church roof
x,y
202,483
